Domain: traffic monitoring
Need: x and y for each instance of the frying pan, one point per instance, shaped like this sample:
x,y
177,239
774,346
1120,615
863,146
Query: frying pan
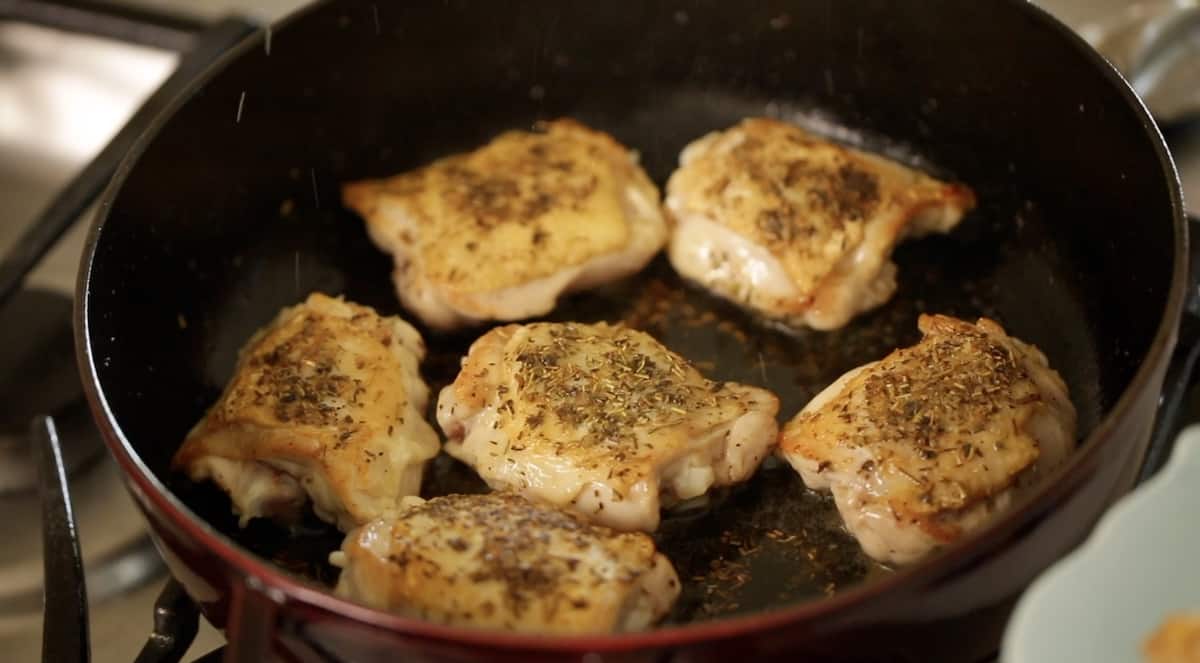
x,y
228,209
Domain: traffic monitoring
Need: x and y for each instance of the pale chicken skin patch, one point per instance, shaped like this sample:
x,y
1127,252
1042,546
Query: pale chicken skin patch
x,y
500,233
934,440
500,561
325,405
601,419
795,227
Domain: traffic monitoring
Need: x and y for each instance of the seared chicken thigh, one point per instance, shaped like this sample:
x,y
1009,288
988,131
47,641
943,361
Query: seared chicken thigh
x,y
601,419
932,441
795,227
326,403
501,232
500,561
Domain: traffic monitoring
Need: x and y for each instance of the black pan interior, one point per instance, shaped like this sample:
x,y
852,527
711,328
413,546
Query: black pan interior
x,y
232,212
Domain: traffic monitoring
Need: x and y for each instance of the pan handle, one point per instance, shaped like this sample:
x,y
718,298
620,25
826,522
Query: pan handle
x,y
65,615
176,622
250,627
1181,372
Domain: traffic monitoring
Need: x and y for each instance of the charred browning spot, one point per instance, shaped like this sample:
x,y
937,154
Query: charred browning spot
x,y
796,171
857,191
775,225
539,204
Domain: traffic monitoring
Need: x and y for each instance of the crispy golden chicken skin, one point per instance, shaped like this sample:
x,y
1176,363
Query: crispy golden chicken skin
x,y
500,233
500,561
601,419
930,442
326,403
796,227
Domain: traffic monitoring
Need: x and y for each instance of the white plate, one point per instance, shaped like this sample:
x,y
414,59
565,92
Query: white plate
x,y
1142,562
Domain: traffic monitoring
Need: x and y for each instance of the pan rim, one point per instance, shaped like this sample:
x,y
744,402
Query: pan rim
x,y
305,595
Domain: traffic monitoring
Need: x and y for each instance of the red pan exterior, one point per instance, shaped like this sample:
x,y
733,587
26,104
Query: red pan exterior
x,y
952,608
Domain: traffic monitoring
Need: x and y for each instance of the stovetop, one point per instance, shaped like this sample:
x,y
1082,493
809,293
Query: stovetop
x,y
62,96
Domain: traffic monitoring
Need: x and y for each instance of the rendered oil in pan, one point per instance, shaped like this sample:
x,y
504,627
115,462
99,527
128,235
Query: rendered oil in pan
x,y
770,542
